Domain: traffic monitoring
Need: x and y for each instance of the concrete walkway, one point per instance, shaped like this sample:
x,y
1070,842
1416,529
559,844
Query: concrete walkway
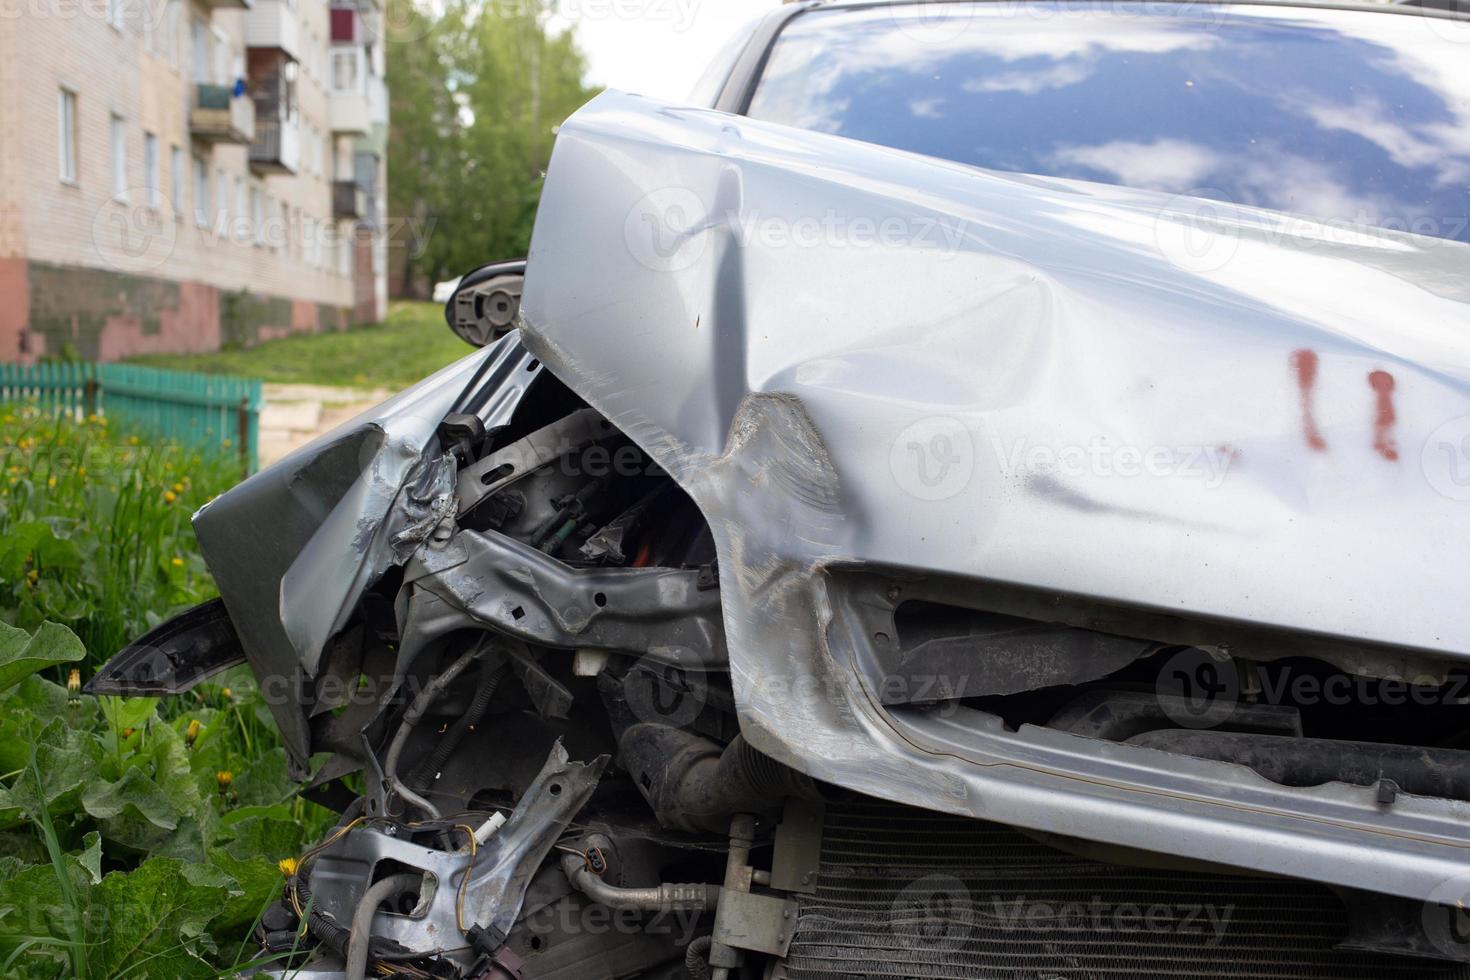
x,y
296,414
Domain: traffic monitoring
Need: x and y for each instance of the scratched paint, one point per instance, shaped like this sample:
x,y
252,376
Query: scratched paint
x,y
1304,362
1384,416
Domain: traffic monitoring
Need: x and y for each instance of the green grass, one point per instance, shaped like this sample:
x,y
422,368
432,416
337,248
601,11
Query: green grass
x,y
94,526
411,344
138,838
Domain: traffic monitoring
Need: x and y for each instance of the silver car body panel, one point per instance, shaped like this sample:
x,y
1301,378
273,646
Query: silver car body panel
x,y
859,359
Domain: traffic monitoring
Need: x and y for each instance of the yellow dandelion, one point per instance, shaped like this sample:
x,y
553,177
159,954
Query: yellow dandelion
x,y
178,488
191,733
74,681
132,440
128,732
226,693
169,496
81,471
177,562
51,483
32,577
288,866
224,778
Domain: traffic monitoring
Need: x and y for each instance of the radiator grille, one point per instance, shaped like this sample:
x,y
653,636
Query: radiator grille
x,y
910,894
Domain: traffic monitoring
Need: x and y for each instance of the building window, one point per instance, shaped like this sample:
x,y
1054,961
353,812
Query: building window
x,y
150,169
242,216
201,193
176,181
119,159
257,214
344,70
66,123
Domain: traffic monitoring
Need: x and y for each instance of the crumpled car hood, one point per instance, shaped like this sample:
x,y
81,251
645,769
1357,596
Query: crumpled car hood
x,y
850,353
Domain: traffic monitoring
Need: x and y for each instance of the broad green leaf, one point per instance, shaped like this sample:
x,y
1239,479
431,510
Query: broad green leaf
x,y
156,919
22,655
265,781
134,791
91,857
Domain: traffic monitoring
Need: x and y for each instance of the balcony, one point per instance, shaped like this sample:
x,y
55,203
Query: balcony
x,y
349,113
349,199
272,25
276,148
377,96
217,115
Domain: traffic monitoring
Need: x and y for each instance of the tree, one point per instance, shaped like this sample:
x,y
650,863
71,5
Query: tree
x,y
476,98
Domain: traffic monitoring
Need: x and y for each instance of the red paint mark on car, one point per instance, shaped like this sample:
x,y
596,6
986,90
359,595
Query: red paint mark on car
x,y
1304,363
1384,416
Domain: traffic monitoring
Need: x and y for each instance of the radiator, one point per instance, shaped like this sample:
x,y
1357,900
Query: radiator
x,y
905,893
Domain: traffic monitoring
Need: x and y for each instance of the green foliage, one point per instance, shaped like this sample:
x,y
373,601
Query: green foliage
x,y
94,531
138,838
410,345
477,93
159,832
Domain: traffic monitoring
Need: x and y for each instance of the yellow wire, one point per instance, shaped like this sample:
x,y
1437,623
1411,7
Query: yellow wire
x,y
464,881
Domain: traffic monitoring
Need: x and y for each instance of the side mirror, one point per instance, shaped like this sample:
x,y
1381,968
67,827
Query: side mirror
x,y
485,305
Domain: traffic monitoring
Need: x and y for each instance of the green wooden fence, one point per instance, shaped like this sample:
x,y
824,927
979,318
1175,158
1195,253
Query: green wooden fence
x,y
214,412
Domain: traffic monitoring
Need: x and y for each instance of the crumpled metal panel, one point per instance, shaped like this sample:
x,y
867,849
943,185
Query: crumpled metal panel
x,y
293,547
854,357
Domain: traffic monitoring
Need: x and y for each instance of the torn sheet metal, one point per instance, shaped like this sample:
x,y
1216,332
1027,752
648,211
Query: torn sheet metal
x,y
1036,382
294,546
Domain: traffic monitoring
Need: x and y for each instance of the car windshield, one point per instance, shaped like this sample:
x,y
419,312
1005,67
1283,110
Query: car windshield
x,y
1345,116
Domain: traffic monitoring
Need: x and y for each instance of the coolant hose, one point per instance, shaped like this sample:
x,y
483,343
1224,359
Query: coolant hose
x,y
659,898
432,692
361,939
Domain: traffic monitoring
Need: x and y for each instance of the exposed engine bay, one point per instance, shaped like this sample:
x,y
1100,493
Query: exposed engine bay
x,y
598,699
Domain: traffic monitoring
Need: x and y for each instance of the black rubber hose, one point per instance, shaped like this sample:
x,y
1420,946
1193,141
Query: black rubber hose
x,y
696,958
1418,770
490,676
318,923
693,784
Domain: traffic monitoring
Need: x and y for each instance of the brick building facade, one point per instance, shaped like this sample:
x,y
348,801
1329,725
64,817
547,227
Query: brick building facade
x,y
178,175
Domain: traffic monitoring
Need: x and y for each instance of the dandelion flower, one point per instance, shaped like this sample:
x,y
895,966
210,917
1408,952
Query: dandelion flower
x,y
132,440
226,693
288,866
127,733
178,488
169,496
177,562
191,733
74,681
51,483
224,778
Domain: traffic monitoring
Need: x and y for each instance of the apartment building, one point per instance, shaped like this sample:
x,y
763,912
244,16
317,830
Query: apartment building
x,y
180,175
